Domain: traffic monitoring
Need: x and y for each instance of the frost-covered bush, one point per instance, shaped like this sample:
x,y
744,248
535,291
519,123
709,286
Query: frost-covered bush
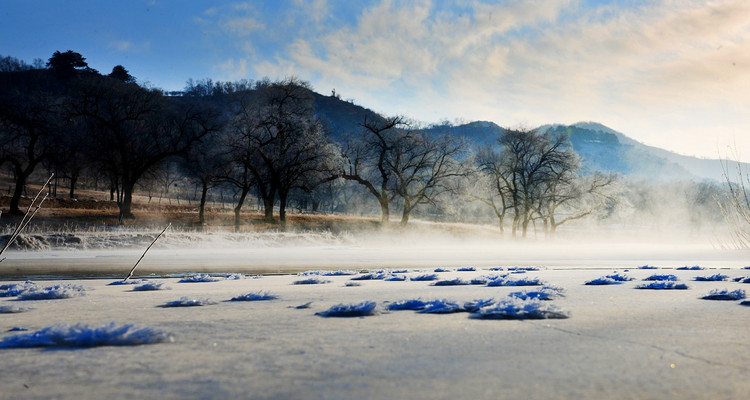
x,y
690,268
257,296
311,281
441,307
519,309
150,286
413,304
200,278
363,309
189,302
466,269
451,282
12,309
661,277
545,293
425,277
725,294
62,291
15,289
81,335
712,278
663,285
515,282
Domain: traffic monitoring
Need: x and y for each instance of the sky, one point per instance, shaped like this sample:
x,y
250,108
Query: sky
x,y
673,74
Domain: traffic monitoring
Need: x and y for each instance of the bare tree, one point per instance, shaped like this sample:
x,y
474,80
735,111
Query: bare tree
x,y
366,160
132,129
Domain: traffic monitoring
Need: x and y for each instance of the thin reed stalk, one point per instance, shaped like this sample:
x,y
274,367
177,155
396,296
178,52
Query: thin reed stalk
x,y
27,216
144,253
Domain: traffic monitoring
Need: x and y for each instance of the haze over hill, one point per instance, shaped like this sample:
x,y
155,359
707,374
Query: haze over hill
x,y
600,147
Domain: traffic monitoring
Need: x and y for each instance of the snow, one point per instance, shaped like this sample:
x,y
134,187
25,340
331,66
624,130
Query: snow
x,y
712,278
81,335
690,268
663,285
515,282
363,309
725,294
611,279
441,307
424,277
189,302
61,291
514,308
13,309
616,342
255,296
200,278
148,286
450,282
311,281
413,304
545,293
15,289
661,277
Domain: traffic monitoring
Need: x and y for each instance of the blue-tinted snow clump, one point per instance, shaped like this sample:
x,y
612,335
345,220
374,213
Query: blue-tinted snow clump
x,y
725,294
363,309
258,296
82,335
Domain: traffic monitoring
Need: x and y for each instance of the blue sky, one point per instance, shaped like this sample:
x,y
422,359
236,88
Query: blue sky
x,y
670,73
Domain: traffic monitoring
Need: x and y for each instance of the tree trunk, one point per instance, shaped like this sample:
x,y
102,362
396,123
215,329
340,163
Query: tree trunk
x,y
73,182
268,208
405,215
238,208
385,212
202,206
127,202
17,193
282,209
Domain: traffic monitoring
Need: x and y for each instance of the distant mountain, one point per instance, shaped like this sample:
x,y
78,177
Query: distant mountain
x,y
600,148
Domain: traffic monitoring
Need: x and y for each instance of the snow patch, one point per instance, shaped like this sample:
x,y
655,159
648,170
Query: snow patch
x,y
189,302
15,289
150,286
62,291
663,285
520,309
13,309
725,294
311,281
424,277
661,277
712,278
257,296
81,335
451,282
363,309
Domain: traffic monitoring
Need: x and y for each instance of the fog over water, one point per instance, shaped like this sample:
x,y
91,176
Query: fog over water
x,y
113,254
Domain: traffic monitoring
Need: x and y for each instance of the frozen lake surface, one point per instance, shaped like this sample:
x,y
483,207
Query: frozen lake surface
x,y
618,342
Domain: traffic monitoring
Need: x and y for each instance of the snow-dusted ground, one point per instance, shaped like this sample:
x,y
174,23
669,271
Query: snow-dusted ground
x,y
618,342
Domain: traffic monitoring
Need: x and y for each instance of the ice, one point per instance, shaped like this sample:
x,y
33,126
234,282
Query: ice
x,y
663,285
545,293
15,289
661,277
12,309
127,282
425,277
257,296
413,304
441,307
189,302
81,335
725,294
311,281
520,309
612,279
712,278
363,309
451,282
150,286
61,291
200,278
516,282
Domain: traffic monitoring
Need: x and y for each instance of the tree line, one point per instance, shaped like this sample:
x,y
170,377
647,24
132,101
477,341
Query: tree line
x,y
265,140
